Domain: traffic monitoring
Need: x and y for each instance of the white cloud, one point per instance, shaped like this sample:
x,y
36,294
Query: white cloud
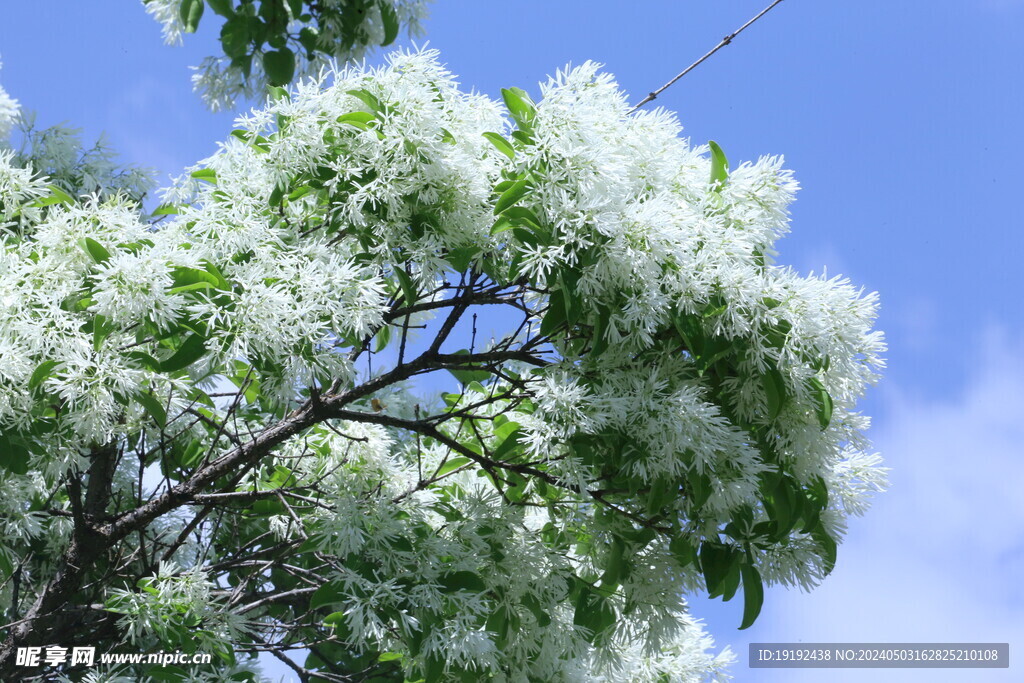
x,y
940,557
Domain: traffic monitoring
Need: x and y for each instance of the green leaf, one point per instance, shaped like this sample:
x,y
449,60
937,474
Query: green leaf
x,y
279,66
335,619
555,316
716,561
188,279
602,318
713,349
190,457
468,376
700,488
533,604
207,174
13,454
279,477
145,360
663,491
505,430
512,195
257,142
361,117
452,465
60,195
684,551
568,279
300,192
244,371
406,283
711,310
433,669
309,38
775,392
731,582
154,407
382,339
615,566
509,440
817,495
390,657
167,210
812,504
101,329
235,37
516,489
222,7
719,165
823,400
213,270
503,185
94,249
56,196
827,545
528,237
461,258
367,98
41,373
277,93
389,17
777,334
191,350
501,144
753,595
593,612
191,12
327,594
146,584
780,505
524,217
467,581
520,106
690,331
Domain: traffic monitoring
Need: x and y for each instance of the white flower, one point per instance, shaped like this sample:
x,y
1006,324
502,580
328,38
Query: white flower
x,y
168,13
8,112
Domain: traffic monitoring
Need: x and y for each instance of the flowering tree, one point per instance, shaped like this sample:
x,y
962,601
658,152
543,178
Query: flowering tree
x,y
216,432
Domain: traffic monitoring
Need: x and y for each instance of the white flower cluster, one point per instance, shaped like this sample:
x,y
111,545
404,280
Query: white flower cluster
x,y
168,13
435,559
289,301
8,112
659,250
19,189
179,607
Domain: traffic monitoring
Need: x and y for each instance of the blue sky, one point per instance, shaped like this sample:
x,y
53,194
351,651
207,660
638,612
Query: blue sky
x,y
902,121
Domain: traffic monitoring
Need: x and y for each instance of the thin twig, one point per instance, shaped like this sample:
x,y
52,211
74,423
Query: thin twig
x,y
725,41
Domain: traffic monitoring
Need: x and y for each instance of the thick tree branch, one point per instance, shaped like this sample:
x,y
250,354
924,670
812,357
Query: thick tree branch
x,y
45,614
